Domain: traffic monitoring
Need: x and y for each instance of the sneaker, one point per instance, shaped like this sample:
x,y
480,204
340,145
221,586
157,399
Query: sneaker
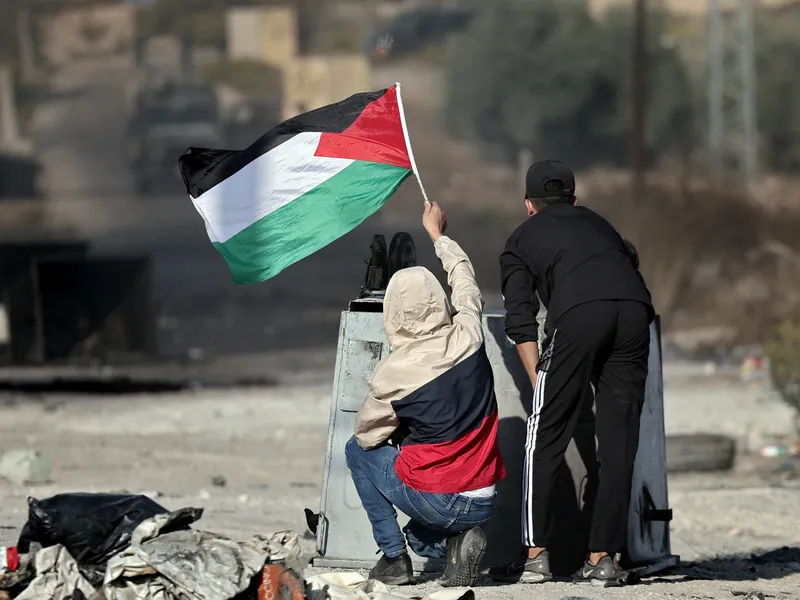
x,y
524,570
393,571
464,554
606,573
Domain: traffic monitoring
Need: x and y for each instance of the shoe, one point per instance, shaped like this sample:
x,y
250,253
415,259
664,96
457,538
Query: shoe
x,y
393,571
524,570
464,554
606,573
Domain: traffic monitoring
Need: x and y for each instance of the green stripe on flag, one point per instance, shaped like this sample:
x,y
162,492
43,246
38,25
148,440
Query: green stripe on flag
x,y
310,222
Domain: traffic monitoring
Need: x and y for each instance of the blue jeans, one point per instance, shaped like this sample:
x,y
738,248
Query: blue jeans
x,y
434,517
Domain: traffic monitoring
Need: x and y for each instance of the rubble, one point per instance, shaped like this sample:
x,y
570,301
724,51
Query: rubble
x,y
108,547
779,450
190,564
58,577
9,559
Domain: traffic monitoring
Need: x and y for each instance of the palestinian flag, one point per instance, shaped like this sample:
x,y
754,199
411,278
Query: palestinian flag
x,y
302,185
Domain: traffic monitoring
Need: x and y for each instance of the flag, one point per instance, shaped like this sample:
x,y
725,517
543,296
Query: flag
x,y
302,185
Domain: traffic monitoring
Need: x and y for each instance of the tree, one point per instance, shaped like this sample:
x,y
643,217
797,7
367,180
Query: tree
x,y
545,75
778,95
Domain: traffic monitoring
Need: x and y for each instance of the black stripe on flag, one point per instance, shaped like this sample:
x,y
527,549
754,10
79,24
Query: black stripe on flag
x,y
203,168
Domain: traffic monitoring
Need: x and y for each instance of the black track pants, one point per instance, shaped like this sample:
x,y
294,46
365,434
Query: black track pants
x,y
606,344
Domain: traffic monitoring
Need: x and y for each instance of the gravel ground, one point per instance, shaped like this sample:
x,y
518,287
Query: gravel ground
x,y
269,446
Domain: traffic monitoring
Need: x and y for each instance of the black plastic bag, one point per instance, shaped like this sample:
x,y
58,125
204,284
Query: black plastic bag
x,y
92,527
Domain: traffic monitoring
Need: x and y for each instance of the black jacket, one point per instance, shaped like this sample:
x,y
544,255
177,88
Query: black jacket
x,y
570,255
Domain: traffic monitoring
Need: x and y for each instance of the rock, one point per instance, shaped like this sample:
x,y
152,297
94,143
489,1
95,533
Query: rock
x,y
25,467
219,481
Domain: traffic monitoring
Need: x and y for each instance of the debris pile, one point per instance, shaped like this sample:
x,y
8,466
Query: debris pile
x,y
127,547
781,460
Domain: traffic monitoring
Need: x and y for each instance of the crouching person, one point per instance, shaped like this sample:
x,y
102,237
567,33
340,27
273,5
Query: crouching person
x,y
435,389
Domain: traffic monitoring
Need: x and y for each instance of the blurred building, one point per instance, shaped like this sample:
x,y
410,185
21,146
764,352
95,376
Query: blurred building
x,y
271,35
266,34
81,31
314,81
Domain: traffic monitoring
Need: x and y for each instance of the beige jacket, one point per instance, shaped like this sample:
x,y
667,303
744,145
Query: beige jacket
x,y
427,334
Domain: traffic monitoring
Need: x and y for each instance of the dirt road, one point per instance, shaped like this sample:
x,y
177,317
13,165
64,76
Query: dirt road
x,y
269,444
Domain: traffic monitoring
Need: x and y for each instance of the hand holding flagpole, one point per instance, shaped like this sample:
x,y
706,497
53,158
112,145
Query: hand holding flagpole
x,y
434,220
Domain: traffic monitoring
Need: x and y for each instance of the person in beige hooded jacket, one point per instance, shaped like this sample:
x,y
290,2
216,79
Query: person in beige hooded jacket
x,y
434,394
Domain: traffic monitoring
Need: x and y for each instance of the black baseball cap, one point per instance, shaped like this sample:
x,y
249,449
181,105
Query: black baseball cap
x,y
549,179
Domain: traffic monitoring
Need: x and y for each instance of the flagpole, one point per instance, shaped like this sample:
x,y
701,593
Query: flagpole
x,y
408,142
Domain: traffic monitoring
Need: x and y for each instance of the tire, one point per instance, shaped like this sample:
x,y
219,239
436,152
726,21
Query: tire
x,y
702,452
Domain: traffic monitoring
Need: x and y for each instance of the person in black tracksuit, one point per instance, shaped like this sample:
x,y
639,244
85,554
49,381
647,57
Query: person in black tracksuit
x,y
597,333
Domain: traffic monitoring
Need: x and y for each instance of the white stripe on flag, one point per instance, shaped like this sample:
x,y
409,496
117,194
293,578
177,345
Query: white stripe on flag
x,y
209,231
271,181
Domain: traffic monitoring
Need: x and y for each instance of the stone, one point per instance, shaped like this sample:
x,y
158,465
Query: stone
x,y
25,467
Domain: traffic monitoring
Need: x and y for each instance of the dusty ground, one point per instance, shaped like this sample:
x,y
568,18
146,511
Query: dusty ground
x,y
269,445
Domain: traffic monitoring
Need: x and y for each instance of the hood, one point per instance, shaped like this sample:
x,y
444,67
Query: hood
x,y
415,305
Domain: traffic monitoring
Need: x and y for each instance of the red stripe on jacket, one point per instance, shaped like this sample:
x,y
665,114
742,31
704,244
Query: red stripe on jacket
x,y
471,462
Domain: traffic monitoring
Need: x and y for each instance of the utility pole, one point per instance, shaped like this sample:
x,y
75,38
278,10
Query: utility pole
x,y
748,75
732,118
716,89
638,96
